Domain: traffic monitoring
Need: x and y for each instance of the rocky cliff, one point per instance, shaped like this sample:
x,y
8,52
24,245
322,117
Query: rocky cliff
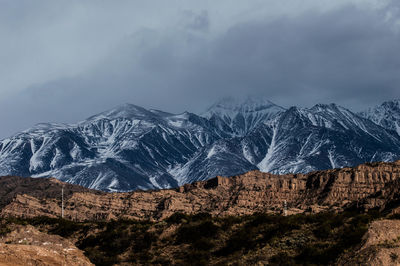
x,y
367,186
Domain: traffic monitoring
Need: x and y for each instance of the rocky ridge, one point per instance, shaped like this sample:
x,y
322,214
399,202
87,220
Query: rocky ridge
x,y
367,186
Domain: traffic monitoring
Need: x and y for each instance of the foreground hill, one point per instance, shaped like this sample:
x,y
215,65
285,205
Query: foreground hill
x,y
365,187
346,238
26,245
130,148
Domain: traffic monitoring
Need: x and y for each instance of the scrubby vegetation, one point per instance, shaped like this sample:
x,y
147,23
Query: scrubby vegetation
x,y
200,239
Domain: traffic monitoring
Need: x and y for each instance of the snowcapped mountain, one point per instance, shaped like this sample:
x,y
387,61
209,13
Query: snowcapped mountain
x,y
130,147
237,117
387,115
325,136
126,148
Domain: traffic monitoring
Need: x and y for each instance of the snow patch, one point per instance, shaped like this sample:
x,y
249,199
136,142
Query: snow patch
x,y
99,179
114,183
57,157
176,123
179,173
212,152
75,152
154,182
35,163
331,159
247,154
266,164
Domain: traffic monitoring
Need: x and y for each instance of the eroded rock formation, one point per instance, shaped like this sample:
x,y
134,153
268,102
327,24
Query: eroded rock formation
x,y
367,186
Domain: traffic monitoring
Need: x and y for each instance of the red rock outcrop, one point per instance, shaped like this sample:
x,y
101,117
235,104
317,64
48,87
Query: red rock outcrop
x,y
365,186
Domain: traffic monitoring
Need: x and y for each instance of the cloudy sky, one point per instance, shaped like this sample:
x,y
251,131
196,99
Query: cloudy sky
x,y
62,61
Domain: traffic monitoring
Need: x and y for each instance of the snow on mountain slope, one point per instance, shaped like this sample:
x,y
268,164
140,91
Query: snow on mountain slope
x,y
222,158
386,115
130,147
323,137
123,149
239,117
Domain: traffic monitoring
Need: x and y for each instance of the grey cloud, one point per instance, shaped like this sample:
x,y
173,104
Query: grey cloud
x,y
348,55
197,22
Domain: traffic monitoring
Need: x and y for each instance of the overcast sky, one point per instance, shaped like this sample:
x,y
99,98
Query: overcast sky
x,y
63,61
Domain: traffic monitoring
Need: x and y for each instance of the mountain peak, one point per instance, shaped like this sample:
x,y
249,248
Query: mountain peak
x,y
386,114
231,106
127,111
325,105
394,104
237,104
388,106
241,115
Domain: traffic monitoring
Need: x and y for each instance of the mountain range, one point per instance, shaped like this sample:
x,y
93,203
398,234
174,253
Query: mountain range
x,y
130,147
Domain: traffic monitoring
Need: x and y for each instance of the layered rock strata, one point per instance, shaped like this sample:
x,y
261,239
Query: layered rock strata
x,y
367,186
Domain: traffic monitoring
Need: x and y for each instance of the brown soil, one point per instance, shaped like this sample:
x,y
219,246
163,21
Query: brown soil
x,y
25,245
381,245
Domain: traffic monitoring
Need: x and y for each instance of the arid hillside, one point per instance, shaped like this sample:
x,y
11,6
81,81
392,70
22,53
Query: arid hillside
x,y
367,186
26,245
345,238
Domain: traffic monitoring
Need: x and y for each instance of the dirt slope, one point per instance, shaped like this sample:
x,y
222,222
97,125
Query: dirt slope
x,y
25,245
381,246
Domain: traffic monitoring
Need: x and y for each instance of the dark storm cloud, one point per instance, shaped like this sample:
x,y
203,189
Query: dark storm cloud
x,y
347,55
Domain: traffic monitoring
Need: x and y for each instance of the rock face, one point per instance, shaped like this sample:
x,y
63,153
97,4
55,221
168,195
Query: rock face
x,y
381,246
26,245
367,186
130,148
11,187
